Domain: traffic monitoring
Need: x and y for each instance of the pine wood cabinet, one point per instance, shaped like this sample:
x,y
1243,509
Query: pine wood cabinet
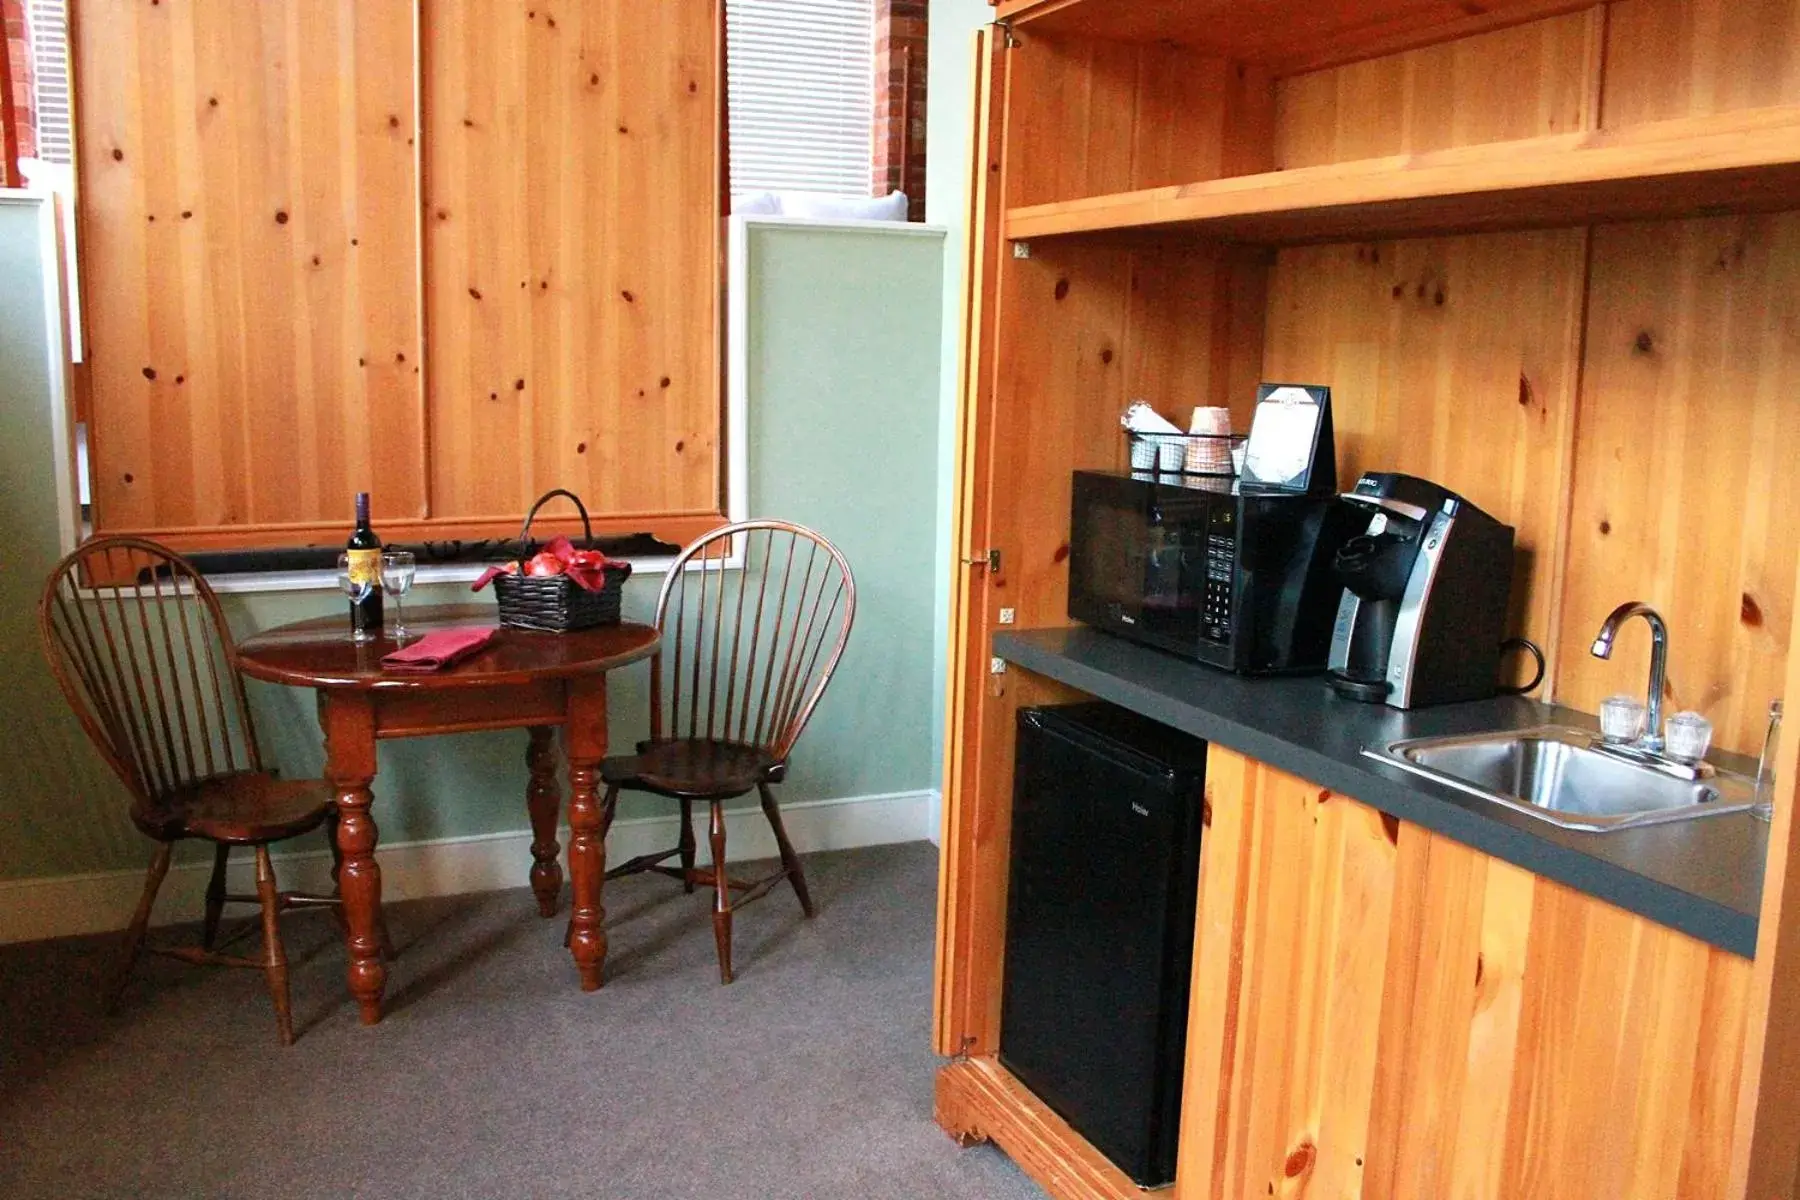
x,y
1549,254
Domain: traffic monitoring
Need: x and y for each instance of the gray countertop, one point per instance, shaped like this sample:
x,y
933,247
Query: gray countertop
x,y
1703,877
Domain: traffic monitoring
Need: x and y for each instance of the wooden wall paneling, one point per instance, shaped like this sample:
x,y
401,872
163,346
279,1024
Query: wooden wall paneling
x,y
1102,116
1691,58
571,196
1453,359
1194,328
1684,495
1528,81
1394,1014
248,216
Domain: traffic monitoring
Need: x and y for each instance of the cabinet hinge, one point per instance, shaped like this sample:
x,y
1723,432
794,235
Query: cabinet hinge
x,y
985,558
1008,38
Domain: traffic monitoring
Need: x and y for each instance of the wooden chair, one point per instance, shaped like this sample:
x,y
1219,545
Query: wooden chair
x,y
744,658
137,641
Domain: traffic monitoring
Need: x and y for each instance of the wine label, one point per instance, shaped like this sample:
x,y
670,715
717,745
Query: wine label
x,y
365,567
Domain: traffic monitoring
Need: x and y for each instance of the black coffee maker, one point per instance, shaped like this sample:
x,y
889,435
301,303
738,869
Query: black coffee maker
x,y
1426,588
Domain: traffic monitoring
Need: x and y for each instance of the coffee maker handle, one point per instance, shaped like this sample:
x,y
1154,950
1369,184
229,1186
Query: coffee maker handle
x,y
1530,647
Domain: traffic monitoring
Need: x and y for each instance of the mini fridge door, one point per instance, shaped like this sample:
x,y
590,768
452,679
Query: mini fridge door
x,y
1100,926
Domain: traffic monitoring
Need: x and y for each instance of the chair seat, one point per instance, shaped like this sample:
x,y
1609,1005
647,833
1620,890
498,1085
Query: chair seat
x,y
240,809
693,769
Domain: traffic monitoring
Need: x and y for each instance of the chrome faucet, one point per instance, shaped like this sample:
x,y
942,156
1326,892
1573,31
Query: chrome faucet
x,y
1652,739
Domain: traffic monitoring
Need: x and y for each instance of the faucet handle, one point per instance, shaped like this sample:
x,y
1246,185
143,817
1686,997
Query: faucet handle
x,y
1622,719
1689,737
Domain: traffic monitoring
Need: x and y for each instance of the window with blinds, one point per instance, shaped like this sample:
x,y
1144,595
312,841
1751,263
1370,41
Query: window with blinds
x,y
802,88
50,84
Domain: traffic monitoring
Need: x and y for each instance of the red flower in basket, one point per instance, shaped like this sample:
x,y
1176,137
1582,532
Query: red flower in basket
x,y
586,567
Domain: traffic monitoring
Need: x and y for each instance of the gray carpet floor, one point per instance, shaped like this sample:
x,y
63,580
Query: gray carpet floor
x,y
492,1074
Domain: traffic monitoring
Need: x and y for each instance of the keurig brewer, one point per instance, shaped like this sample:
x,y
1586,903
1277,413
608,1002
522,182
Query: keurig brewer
x,y
1426,587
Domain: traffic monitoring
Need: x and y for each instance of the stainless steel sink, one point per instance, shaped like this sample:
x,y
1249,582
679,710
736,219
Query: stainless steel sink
x,y
1561,775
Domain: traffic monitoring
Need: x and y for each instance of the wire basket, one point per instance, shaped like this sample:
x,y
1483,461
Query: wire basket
x,y
556,603
1191,455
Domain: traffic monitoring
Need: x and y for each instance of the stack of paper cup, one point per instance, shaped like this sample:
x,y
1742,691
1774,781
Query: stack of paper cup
x,y
1211,454
1156,443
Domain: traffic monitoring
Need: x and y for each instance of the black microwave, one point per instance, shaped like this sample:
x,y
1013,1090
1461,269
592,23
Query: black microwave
x,y
1192,566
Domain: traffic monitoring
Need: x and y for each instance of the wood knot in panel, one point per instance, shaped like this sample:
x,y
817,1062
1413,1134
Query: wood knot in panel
x,y
1062,289
1300,1160
1645,343
1062,554
1390,826
1750,612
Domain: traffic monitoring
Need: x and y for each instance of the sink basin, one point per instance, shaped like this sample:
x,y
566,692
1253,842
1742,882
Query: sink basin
x,y
1556,774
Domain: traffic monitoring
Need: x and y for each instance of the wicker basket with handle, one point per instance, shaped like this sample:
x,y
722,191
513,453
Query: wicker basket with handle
x,y
556,603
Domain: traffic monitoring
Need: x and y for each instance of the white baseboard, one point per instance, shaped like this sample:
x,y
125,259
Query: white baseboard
x,y
62,906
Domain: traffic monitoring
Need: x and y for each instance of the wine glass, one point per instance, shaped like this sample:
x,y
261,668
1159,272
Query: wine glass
x,y
397,570
357,586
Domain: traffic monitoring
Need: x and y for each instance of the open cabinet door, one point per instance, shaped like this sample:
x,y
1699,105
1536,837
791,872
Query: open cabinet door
x,y
1765,1153
961,1023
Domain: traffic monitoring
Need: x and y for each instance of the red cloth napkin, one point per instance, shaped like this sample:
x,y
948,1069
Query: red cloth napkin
x,y
439,649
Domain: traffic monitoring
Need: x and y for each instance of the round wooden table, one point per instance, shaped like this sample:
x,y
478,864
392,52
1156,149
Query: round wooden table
x,y
521,679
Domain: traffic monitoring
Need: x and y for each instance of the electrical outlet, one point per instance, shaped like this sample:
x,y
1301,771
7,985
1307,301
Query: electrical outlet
x,y
1008,615
996,666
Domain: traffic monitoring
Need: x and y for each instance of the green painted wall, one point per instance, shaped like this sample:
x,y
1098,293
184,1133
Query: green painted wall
x,y
843,422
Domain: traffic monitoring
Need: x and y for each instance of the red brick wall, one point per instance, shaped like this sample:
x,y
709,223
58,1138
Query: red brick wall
x,y
18,53
899,141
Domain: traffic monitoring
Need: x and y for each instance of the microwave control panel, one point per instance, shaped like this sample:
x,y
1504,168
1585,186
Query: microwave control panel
x,y
1221,569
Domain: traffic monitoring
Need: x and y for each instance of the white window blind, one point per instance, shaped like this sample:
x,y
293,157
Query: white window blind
x,y
802,95
48,30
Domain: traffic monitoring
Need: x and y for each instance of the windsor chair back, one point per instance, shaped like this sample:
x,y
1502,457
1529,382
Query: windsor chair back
x,y
747,652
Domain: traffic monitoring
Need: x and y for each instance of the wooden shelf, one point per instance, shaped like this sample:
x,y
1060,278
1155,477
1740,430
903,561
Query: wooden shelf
x,y
1286,37
1746,162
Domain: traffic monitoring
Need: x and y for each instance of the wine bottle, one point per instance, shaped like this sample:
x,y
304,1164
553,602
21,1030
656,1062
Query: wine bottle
x,y
364,551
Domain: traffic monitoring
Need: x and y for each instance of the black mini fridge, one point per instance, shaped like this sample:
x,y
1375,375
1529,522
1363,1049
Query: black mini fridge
x,y
1105,865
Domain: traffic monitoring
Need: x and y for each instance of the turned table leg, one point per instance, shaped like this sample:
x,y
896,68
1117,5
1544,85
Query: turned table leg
x,y
585,735
544,800
350,765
